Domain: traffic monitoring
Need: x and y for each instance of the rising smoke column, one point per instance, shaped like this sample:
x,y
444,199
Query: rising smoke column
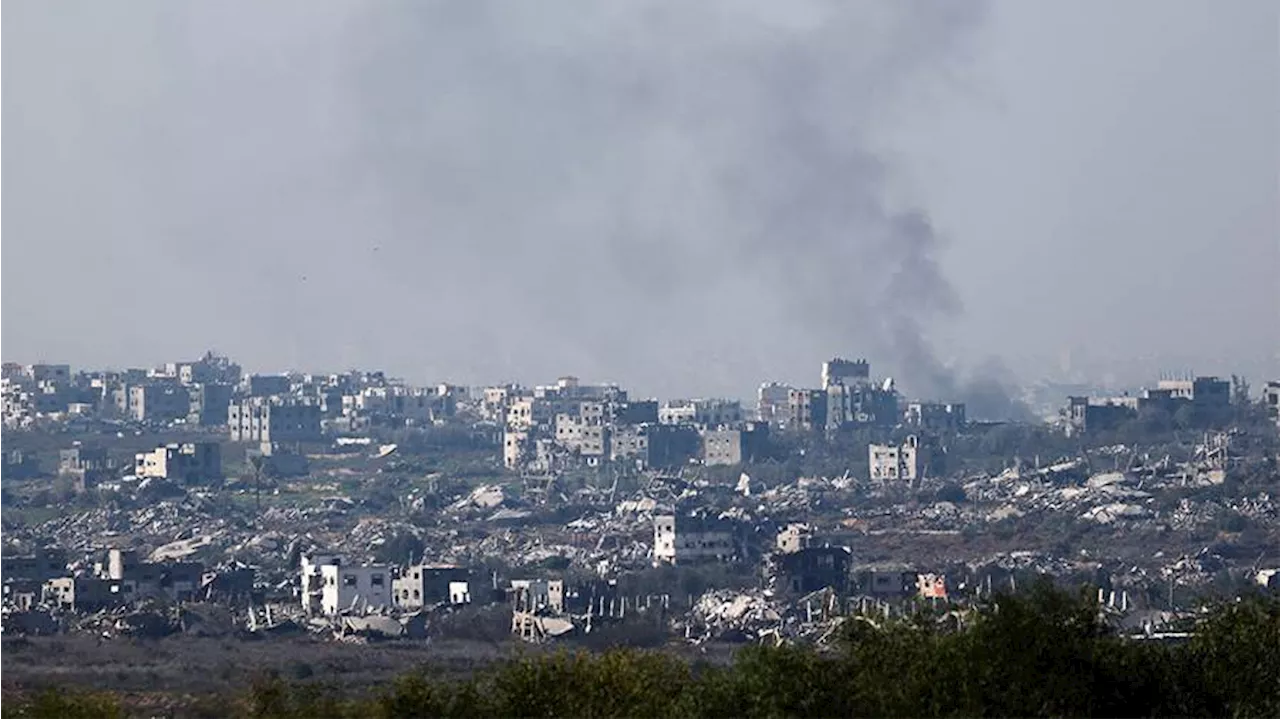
x,y
688,198
662,188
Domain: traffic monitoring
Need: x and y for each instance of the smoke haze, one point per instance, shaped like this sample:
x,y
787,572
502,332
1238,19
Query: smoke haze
x,y
686,198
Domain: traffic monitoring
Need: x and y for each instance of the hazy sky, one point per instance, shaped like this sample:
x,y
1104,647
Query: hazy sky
x,y
688,198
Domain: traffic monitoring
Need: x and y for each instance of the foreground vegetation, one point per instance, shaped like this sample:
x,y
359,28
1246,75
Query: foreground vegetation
x,y
1041,653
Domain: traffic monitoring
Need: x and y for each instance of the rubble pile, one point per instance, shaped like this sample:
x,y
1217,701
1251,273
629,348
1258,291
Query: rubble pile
x,y
761,615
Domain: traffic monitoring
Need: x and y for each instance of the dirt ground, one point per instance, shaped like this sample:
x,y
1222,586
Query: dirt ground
x,y
184,666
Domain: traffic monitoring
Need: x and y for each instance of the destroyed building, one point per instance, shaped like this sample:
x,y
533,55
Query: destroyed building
x,y
86,467
189,462
935,417
654,445
800,567
794,537
1100,414
567,424
82,594
176,581
702,413
810,569
887,582
889,462
692,539
842,371
1207,398
861,405
1271,400
276,460
330,586
19,464
806,409
853,400
44,563
771,403
427,584
268,385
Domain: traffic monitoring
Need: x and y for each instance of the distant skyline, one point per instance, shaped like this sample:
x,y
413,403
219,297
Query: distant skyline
x,y
682,198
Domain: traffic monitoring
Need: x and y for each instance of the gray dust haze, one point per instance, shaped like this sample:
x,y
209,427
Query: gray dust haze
x,y
685,198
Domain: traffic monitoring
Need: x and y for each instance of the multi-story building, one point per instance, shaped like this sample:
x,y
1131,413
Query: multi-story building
x,y
709,413
427,584
806,409
1271,400
210,369
17,464
634,412
517,449
134,579
54,373
277,419
588,437
159,401
896,462
811,569
311,583
570,388
41,565
654,445
726,447
209,403
192,462
794,537
680,540
1208,399
860,405
496,400
532,595
19,409
935,416
86,466
529,412
1094,414
345,587
82,594
771,403
1200,391
845,372
269,385
329,585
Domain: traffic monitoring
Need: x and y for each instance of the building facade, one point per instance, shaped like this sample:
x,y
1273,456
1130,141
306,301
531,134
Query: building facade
x,y
359,587
1271,400
891,462
426,584
274,420
680,540
159,402
190,462
935,416
806,409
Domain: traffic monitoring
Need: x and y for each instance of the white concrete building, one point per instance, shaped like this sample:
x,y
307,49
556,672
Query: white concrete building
x,y
702,412
312,583
891,462
354,587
